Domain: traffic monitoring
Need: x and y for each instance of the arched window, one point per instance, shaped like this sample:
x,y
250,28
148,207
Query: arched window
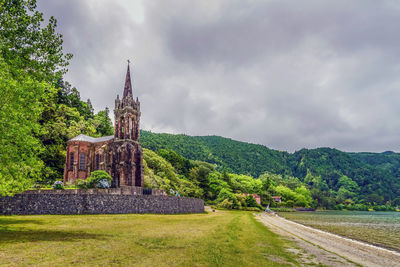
x,y
82,163
97,161
71,160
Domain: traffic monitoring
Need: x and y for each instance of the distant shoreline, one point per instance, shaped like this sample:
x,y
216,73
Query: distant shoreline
x,y
381,230
376,245
328,248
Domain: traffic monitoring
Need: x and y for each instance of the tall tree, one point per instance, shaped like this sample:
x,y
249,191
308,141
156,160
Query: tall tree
x,y
30,45
20,165
32,61
103,123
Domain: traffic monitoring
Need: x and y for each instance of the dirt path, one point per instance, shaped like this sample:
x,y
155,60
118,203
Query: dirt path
x,y
327,248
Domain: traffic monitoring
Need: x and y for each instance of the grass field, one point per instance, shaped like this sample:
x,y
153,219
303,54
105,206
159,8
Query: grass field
x,y
220,238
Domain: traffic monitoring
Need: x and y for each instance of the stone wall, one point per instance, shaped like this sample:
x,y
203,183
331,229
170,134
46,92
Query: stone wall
x,y
124,190
95,202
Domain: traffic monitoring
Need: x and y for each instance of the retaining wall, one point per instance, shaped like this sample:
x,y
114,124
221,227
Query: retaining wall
x,y
95,201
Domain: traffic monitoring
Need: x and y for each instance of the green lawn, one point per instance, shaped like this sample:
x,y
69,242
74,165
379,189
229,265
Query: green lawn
x,y
220,238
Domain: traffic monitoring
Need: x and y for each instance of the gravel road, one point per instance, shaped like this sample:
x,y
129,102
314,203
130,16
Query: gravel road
x,y
329,249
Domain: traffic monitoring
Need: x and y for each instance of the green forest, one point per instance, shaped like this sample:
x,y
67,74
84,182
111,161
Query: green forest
x,y
335,179
40,111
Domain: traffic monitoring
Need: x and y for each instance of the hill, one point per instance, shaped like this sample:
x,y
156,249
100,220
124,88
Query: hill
x,y
235,156
376,175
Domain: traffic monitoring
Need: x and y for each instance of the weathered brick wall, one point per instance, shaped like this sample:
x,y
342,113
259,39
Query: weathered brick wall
x,y
82,202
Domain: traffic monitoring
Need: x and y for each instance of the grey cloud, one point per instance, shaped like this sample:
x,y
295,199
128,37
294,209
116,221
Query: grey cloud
x,y
281,73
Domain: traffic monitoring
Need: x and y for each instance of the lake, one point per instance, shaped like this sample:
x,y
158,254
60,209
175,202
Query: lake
x,y
378,228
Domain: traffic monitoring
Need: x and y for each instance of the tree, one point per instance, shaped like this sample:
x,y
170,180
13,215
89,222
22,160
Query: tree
x,y
181,164
200,174
266,184
226,194
348,184
225,176
374,199
396,202
28,45
90,107
59,123
70,97
245,184
216,184
20,165
251,202
32,60
103,123
303,191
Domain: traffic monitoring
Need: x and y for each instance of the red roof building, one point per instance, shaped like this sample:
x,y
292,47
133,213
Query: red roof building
x,y
277,199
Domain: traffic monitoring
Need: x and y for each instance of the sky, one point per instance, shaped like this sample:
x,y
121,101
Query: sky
x,y
281,73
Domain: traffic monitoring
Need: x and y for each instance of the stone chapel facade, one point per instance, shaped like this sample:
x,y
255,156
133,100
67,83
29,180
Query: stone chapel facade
x,y
120,154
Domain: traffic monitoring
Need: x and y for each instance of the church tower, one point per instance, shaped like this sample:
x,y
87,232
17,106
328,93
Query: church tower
x,y
127,113
126,151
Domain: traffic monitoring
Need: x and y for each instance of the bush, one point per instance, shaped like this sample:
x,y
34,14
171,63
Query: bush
x,y
226,204
383,208
82,184
103,183
58,185
241,198
225,194
97,179
288,204
251,202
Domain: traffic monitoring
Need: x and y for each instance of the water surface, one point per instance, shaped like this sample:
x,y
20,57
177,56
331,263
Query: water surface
x,y
378,228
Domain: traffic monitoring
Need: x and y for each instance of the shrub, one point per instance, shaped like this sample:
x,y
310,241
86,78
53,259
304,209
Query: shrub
x,y
241,200
96,176
80,183
289,203
251,202
97,179
227,194
58,185
383,208
103,183
225,204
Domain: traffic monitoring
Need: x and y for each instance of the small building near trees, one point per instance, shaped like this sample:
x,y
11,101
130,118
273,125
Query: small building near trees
x,y
277,199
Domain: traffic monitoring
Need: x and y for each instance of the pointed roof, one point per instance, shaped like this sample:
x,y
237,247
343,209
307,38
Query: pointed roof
x,y
128,84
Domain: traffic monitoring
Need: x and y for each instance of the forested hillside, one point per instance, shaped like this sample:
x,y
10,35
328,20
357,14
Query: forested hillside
x,y
235,156
332,174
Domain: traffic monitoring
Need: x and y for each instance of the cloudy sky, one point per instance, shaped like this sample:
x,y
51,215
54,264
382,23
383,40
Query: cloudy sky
x,y
285,74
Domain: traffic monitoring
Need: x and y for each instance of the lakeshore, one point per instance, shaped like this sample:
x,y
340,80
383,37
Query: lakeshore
x,y
380,228
327,248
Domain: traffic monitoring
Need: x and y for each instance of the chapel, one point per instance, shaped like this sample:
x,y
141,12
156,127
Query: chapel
x,y
120,154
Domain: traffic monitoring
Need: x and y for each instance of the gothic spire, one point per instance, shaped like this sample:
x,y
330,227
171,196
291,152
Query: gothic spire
x,y
128,84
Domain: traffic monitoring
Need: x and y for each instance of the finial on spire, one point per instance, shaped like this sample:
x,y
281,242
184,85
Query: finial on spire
x,y
128,84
